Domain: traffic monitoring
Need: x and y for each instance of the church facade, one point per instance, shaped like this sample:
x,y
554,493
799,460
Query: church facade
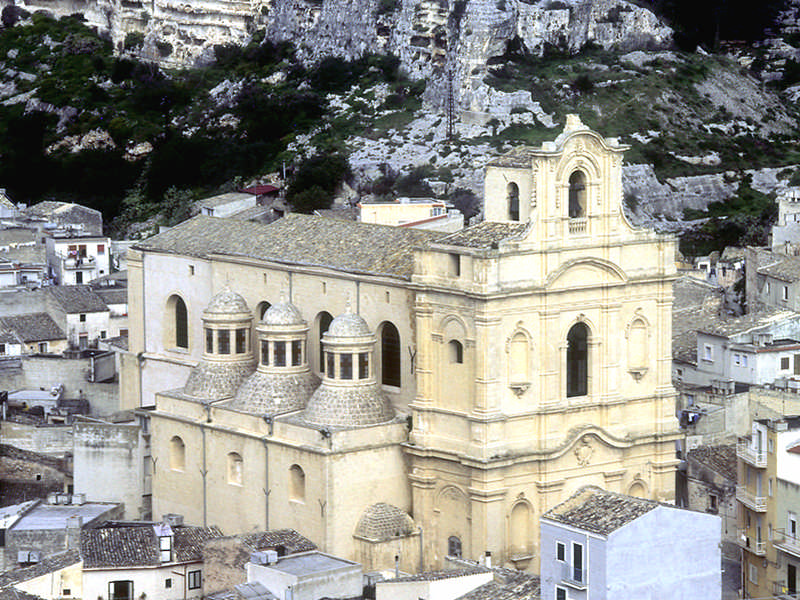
x,y
384,390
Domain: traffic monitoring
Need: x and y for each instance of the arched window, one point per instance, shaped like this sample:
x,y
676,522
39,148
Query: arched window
x,y
323,322
261,308
390,355
520,528
578,360
513,202
577,195
454,547
518,359
297,484
455,352
235,468
177,454
177,323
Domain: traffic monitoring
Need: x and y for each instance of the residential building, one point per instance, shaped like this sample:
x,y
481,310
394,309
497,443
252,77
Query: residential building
x,y
603,545
23,258
7,208
85,317
768,495
772,280
442,585
786,231
226,205
77,259
56,577
153,560
54,215
36,333
307,351
421,213
113,290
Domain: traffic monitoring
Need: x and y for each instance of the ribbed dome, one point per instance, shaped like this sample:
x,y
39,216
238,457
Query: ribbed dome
x,y
216,380
348,406
381,522
271,393
348,325
227,302
283,313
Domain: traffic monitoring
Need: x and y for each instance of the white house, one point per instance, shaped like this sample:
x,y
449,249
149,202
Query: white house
x,y
77,259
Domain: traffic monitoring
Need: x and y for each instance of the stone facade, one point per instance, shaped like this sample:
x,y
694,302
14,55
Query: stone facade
x,y
528,355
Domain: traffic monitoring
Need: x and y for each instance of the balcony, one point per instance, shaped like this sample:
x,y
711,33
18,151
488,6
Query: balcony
x,y
786,542
751,545
782,592
575,577
79,262
750,500
756,458
578,226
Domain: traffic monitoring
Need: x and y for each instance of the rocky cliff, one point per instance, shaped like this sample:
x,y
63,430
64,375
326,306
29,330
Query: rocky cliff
x,y
449,42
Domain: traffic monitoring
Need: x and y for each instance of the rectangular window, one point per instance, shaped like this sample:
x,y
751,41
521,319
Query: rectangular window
x,y
168,582
784,363
123,333
736,359
455,265
329,371
2,348
264,352
297,353
561,551
797,364
769,486
120,590
363,365
82,318
103,334
101,248
770,446
43,347
561,593
209,340
577,561
280,354
224,341
165,547
712,503
708,352
241,341
785,293
191,270
753,574
744,360
346,366
82,250
194,580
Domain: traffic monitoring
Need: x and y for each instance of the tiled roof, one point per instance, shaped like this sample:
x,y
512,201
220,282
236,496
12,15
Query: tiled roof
x,y
691,293
48,564
138,545
36,254
519,157
785,268
77,298
720,459
484,235
223,199
33,327
382,521
299,239
439,575
594,509
113,295
292,541
18,235
508,584
729,326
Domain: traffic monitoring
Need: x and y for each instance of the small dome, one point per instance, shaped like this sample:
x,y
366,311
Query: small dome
x,y
348,325
348,406
382,522
270,393
283,313
215,381
227,302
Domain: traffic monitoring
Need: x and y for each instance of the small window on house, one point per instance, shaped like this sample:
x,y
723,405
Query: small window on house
x,y
712,502
2,348
577,360
120,590
209,340
178,337
82,318
123,332
297,353
168,582
736,359
456,352
329,367
785,293
346,366
101,249
708,352
513,202
744,360
561,593
752,573
455,265
770,446
224,341
785,363
390,355
103,334
235,468
82,250
297,484
280,354
43,347
241,341
194,580
577,195
191,270
454,547
165,548
363,365
769,486
766,288
66,592
79,277
264,352
561,551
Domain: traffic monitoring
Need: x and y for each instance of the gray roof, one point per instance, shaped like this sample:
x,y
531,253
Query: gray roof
x,y
283,313
508,584
484,235
227,302
213,380
273,393
49,564
29,255
308,563
223,199
254,591
77,298
785,268
439,575
66,213
299,239
720,459
292,541
117,278
33,327
519,157
113,295
728,326
56,516
138,545
18,235
381,522
348,406
594,509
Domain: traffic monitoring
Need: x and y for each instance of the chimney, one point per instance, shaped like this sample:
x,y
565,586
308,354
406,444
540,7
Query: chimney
x,y
488,559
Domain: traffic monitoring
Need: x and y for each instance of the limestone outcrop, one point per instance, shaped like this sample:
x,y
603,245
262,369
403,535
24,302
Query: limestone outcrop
x,y
449,42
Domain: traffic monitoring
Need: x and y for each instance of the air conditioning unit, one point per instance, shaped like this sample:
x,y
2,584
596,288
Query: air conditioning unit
x,y
79,499
173,520
272,557
259,558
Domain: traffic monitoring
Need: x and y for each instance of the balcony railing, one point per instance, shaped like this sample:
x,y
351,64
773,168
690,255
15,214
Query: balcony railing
x,y
756,458
786,542
573,576
79,262
578,226
748,543
782,592
750,500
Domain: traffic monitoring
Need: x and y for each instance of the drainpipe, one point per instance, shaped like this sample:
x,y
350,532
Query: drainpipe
x,y
204,470
421,562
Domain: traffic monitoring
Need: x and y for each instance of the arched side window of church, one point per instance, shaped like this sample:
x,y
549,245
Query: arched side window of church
x,y
390,355
513,202
297,484
519,359
454,547
637,345
177,323
455,352
235,468
577,195
520,529
578,360
261,308
323,321
177,454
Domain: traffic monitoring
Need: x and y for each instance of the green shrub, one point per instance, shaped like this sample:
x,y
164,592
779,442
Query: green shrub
x,y
133,40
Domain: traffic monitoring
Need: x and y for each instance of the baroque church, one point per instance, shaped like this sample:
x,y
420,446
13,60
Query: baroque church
x,y
388,391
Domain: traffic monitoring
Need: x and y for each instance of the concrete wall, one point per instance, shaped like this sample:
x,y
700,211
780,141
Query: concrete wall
x,y
53,440
109,464
152,582
702,482
676,552
437,589
63,583
343,582
552,570
40,372
95,323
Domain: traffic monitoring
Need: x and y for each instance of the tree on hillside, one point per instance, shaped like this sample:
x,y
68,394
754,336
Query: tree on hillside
x,y
315,181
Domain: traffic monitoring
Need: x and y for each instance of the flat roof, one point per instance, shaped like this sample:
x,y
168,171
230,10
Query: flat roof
x,y
54,516
311,562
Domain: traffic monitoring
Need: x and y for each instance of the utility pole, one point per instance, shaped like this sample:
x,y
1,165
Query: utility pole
x,y
450,105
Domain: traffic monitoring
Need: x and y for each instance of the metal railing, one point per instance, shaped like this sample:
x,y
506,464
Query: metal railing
x,y
781,591
744,450
786,542
574,576
750,500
